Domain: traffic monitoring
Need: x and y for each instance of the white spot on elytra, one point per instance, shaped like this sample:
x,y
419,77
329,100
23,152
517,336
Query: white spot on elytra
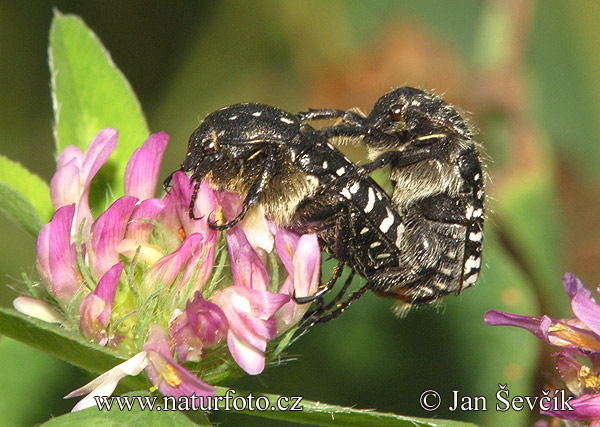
x,y
387,222
469,212
480,194
379,195
325,164
471,279
477,213
371,201
354,188
375,244
382,256
346,193
233,117
341,171
476,237
257,113
472,263
477,177
286,120
305,161
365,230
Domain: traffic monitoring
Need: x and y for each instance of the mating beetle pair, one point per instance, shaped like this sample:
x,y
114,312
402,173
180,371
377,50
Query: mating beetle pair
x,y
422,243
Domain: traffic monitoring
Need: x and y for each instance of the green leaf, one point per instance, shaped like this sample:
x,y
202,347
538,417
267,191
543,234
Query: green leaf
x,y
323,414
133,417
90,93
24,196
63,344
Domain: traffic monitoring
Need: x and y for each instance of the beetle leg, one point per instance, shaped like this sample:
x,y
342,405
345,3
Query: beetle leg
x,y
167,181
342,291
352,117
320,114
337,272
252,197
196,179
316,318
193,202
398,158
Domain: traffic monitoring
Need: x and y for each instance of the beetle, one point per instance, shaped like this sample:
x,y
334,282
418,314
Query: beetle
x,y
437,174
275,160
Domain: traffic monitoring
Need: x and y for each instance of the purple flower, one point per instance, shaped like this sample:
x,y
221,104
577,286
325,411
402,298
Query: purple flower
x,y
250,314
188,346
171,378
75,171
247,265
578,336
301,257
108,231
139,229
143,168
207,320
575,333
176,216
201,326
140,224
168,268
97,307
57,257
143,261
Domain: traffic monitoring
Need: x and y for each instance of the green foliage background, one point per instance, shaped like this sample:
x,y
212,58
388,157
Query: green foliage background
x,y
527,72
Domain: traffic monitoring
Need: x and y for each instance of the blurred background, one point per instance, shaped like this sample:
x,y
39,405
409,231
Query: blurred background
x,y
526,73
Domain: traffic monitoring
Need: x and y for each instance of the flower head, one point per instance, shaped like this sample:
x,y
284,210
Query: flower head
x,y
578,336
141,277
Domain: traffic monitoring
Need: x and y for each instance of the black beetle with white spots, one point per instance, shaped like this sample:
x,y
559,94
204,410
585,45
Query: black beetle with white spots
x,y
418,245
438,186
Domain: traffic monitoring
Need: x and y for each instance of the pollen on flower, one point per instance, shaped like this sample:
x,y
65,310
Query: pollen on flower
x,y
289,250
219,217
181,234
172,377
587,379
79,276
567,333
